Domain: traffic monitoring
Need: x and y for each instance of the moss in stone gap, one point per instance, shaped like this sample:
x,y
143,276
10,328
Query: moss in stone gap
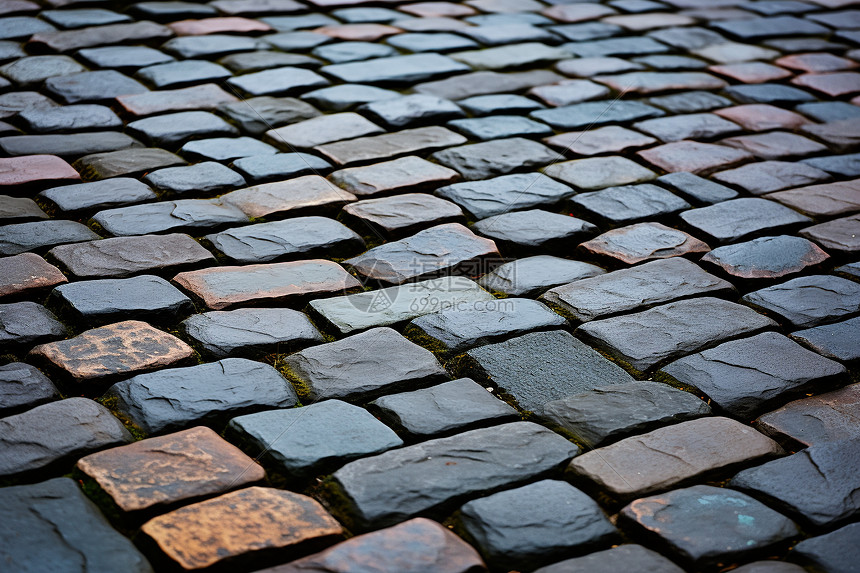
x,y
111,402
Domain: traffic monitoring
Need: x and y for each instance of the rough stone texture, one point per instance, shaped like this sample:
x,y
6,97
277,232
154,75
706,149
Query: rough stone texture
x,y
237,525
408,173
499,157
683,326
809,301
125,162
27,272
537,368
37,518
737,219
35,169
222,287
766,257
836,551
322,436
530,276
160,472
50,435
449,407
606,414
671,456
500,195
99,194
171,399
126,347
645,285
458,329
27,323
363,366
600,172
38,235
535,524
644,242
392,486
399,215
707,525
22,387
168,216
748,376
816,485
767,176
283,197
124,256
815,420
392,305
838,235
249,331
413,546
822,200
444,248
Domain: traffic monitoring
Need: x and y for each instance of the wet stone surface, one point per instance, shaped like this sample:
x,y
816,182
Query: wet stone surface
x,y
444,409
743,526
828,417
22,387
576,523
609,413
402,214
619,558
27,323
563,367
322,436
175,398
748,376
737,219
644,242
499,195
808,301
534,230
45,538
766,257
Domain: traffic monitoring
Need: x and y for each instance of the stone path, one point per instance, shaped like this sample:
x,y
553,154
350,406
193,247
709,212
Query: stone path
x,y
390,286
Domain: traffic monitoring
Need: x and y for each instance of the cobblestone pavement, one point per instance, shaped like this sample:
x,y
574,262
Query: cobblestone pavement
x,y
430,287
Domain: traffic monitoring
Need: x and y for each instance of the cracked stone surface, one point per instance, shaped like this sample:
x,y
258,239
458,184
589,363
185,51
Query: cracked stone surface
x,y
568,203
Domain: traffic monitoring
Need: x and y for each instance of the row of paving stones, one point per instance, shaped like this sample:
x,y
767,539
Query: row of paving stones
x,y
376,390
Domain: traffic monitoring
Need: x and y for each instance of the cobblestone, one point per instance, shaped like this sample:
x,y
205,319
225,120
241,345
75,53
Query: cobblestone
x,y
602,198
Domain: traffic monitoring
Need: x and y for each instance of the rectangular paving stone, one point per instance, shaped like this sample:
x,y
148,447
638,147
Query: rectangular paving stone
x,y
202,97
706,526
449,248
642,242
611,138
672,456
838,235
48,436
808,301
404,214
181,74
684,327
838,340
738,219
27,272
279,81
539,367
607,414
599,172
449,407
204,177
175,398
528,54
98,86
23,387
748,376
260,114
173,129
363,366
27,323
290,197
252,526
407,545
698,189
384,489
19,172
144,297
591,114
766,258
418,140
83,117
456,330
23,237
834,550
123,348
126,162
168,216
322,437
484,83
68,145
398,175
625,290
393,305
493,158
298,236
222,287
19,210
687,126
767,176
38,516
694,157
815,485
160,472
397,69
316,131
70,40
281,166
530,276
828,417
125,256
499,195
628,203
647,83
827,200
